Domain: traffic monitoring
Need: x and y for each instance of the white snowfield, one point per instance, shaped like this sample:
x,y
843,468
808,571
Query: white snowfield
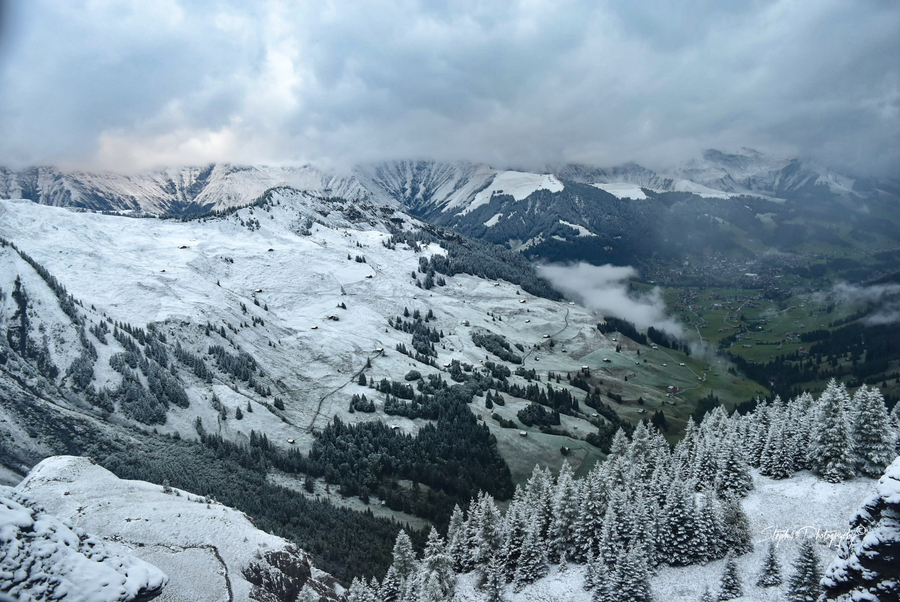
x,y
518,184
623,190
43,557
203,547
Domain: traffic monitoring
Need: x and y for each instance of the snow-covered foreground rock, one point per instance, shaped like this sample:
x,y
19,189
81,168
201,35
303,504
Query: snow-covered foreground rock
x,y
785,510
45,558
210,552
869,568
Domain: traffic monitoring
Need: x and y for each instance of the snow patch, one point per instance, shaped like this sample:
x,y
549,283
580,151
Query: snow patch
x,y
582,231
493,221
623,190
518,184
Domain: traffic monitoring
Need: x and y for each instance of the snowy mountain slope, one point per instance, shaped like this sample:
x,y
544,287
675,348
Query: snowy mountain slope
x,y
210,552
173,190
135,271
45,558
425,186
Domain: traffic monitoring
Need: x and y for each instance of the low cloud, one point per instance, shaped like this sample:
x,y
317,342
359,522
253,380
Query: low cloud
x,y
886,298
605,289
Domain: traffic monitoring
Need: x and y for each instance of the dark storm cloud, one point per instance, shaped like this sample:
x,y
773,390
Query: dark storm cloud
x,y
130,84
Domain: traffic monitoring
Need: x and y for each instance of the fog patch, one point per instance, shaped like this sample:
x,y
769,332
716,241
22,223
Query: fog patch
x,y
886,298
605,289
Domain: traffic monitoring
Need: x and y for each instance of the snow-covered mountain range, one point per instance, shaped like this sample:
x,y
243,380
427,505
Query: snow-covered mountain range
x,y
427,187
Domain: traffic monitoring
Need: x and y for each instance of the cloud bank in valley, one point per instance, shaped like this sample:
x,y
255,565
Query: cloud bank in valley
x,y
885,298
605,289
128,85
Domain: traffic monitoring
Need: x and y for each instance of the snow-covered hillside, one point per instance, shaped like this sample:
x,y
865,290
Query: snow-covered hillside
x,y
209,552
45,558
287,285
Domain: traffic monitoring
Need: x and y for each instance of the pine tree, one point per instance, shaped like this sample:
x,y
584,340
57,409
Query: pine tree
x,y
707,596
436,578
590,579
803,584
604,586
564,512
736,529
514,527
360,592
592,507
404,556
678,525
867,566
632,578
730,585
483,530
831,447
533,560
770,575
457,541
873,441
733,477
391,588
494,579
708,543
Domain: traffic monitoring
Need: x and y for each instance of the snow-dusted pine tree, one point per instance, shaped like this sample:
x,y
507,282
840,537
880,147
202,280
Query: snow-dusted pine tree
x,y
736,528
494,580
777,457
590,569
632,578
707,596
405,563
708,542
391,588
733,477
831,446
436,579
873,441
483,529
730,584
770,574
360,592
457,541
564,514
604,585
678,525
533,560
803,584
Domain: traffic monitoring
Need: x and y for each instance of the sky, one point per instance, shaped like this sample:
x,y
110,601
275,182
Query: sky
x,y
127,85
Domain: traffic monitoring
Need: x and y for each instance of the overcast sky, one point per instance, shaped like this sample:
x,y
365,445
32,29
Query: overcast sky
x,y
127,85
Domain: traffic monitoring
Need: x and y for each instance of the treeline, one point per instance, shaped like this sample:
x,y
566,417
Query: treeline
x,y
863,352
477,258
456,456
496,344
623,327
